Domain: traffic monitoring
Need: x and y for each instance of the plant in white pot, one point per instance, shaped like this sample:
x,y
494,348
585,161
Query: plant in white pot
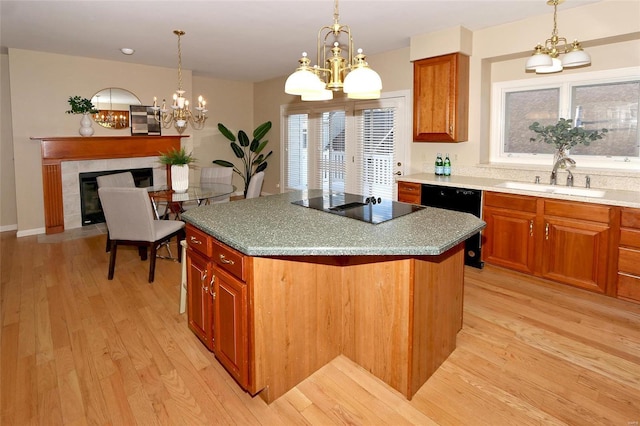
x,y
85,107
178,162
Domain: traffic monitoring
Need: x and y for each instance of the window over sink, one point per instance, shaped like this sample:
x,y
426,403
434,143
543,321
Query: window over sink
x,y
594,100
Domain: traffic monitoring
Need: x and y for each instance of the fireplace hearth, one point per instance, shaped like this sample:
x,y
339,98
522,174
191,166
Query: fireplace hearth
x,y
90,206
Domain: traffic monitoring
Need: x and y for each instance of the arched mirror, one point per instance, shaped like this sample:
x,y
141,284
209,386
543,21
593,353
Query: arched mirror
x,y
113,104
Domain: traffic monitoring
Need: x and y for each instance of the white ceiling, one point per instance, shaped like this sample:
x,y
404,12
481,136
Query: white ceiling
x,y
241,40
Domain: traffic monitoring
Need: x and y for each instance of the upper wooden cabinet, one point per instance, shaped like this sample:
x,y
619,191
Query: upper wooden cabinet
x,y
441,98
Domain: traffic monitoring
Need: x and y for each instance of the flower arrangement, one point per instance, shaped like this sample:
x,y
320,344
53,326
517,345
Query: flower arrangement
x,y
563,135
175,157
81,106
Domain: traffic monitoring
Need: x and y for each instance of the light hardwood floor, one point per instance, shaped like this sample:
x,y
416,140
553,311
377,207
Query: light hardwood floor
x,y
79,349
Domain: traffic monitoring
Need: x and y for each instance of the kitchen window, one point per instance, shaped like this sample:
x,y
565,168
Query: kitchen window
x,y
595,100
345,146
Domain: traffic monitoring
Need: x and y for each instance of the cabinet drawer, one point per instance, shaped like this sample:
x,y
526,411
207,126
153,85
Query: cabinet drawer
x,y
630,237
229,259
629,287
199,241
630,218
510,201
409,192
629,261
583,211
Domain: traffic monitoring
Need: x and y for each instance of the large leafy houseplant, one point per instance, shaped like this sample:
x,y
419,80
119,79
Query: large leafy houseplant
x,y
249,151
81,106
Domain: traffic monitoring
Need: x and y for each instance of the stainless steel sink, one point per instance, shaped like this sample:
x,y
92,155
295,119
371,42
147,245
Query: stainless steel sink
x,y
553,189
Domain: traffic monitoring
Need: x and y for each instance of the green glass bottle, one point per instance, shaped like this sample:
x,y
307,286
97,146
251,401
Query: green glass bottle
x,y
446,169
439,165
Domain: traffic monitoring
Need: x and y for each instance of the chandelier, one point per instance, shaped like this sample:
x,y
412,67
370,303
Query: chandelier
x,y
110,120
180,115
351,75
545,58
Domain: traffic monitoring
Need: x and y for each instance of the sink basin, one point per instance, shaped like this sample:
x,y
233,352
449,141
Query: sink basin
x,y
553,189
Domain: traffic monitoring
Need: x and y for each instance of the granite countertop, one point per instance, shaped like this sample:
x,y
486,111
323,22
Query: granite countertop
x,y
272,226
612,197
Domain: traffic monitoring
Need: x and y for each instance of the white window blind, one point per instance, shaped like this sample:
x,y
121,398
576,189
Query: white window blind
x,y
296,150
375,153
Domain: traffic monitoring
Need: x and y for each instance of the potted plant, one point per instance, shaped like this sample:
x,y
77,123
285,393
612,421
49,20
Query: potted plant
x,y
250,152
85,107
177,162
563,135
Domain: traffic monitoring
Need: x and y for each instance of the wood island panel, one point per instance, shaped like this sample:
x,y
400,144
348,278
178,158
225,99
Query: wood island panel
x,y
396,316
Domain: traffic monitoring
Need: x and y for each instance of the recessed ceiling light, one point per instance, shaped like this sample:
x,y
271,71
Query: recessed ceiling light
x,y
127,51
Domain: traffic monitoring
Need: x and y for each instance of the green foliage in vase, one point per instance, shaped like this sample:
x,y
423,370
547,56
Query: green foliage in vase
x,y
250,152
81,106
175,157
564,136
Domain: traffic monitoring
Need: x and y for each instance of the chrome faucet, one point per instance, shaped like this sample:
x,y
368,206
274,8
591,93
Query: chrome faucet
x,y
554,172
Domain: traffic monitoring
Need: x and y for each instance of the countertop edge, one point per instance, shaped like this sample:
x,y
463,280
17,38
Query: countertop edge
x,y
613,197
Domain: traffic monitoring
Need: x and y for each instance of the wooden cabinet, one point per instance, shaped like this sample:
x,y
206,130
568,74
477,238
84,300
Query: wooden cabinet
x,y
576,243
629,255
231,325
509,234
199,291
217,301
568,242
441,98
409,192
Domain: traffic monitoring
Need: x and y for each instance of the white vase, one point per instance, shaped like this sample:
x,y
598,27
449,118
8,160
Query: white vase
x,y
180,177
85,126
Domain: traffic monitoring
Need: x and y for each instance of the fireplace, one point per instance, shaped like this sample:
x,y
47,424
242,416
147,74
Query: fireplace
x,y
90,206
57,150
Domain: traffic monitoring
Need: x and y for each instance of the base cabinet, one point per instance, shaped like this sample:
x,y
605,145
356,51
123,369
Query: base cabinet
x,y
199,302
629,255
409,192
217,302
231,326
509,234
568,242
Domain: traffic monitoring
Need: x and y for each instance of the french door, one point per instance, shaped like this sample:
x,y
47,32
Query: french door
x,y
355,147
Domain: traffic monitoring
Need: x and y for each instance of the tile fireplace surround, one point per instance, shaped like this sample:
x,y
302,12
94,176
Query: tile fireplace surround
x,y
64,157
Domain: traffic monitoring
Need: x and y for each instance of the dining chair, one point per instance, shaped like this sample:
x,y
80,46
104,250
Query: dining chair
x,y
216,174
255,185
131,221
115,180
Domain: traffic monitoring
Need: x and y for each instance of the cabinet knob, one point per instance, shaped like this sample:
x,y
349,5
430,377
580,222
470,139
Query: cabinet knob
x,y
223,259
194,240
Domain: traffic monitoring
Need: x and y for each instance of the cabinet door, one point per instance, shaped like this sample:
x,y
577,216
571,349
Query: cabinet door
x,y
199,306
409,192
231,339
509,239
576,252
440,98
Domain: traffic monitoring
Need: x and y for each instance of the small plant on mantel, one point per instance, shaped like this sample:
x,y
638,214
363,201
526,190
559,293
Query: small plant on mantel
x,y
81,106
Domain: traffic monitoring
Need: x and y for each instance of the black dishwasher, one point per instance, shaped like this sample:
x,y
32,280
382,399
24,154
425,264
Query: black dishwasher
x,y
460,200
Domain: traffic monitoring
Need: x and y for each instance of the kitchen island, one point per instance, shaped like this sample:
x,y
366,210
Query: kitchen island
x,y
294,287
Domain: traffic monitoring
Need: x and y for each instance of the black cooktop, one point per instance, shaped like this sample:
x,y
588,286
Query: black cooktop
x,y
366,209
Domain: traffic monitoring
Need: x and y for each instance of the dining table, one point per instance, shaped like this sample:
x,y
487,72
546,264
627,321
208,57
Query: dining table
x,y
174,202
